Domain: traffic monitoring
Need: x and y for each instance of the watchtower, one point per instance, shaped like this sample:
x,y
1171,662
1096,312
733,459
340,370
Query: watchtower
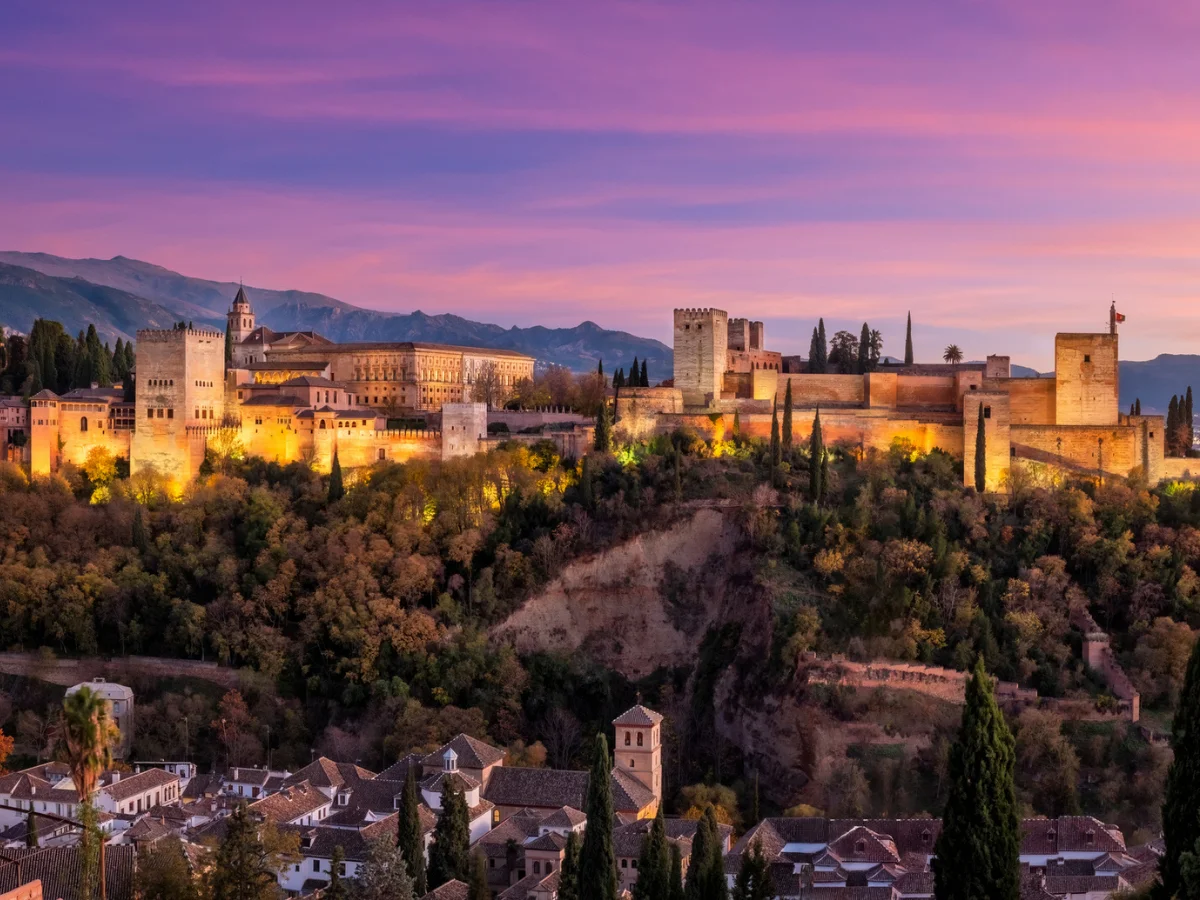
x,y
637,747
180,385
701,344
240,317
1086,379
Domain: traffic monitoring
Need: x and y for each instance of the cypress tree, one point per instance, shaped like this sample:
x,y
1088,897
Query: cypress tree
x,y
754,877
645,380
694,889
676,887
1181,823
813,353
816,461
597,861
677,476
775,454
130,359
31,829
822,347
1191,423
654,863
336,490
1172,425
737,422
1137,404
634,376
864,350
568,874
141,540
336,890
785,435
980,454
408,832
228,346
449,857
478,888
600,369
908,350
603,436
619,378
1131,412
240,870
118,361
706,870
977,852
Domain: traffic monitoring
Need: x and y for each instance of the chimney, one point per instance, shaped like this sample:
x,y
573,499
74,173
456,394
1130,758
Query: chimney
x,y
95,384
116,776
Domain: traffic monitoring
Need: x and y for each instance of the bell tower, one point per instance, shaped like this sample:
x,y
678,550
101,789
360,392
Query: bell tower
x,y
637,747
240,317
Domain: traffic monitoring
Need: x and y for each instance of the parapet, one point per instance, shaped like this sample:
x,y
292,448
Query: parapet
x,y
699,313
164,335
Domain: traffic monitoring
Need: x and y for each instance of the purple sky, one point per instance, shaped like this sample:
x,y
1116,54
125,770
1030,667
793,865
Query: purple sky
x,y
1001,169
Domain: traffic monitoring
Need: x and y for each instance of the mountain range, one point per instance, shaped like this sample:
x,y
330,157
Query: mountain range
x,y
121,295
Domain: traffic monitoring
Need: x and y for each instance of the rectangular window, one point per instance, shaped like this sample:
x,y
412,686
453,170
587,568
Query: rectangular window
x,y
149,415
171,413
1087,357
987,412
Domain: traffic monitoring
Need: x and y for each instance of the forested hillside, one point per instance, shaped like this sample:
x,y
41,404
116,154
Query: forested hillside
x,y
363,621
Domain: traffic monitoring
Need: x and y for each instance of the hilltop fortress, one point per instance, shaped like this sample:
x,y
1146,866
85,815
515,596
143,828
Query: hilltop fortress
x,y
1071,421
286,396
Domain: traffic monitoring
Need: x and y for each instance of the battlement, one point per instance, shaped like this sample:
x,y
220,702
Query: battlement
x,y
699,312
164,335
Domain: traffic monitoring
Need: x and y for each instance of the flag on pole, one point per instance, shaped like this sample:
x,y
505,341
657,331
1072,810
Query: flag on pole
x,y
1120,317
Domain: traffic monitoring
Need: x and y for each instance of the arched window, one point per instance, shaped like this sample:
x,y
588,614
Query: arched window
x,y
627,739
83,423
322,423
639,739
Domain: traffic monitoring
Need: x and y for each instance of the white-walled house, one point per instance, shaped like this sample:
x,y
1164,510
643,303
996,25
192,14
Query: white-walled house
x,y
479,811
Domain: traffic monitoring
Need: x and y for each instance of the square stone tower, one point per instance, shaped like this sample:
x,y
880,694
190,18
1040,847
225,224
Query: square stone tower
x,y
464,429
1086,379
701,342
997,450
180,385
637,747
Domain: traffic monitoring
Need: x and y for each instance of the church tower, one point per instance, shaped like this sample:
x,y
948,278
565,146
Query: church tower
x,y
637,750
241,317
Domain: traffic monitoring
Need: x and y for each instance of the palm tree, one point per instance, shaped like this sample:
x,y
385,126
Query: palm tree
x,y
84,742
953,354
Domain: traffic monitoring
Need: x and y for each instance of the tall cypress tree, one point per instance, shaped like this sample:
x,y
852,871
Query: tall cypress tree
x,y
1137,406
775,450
979,845
449,857
1181,822
694,890
676,886
908,348
864,350
1172,426
816,460
980,454
228,346
408,832
706,870
336,490
568,874
602,441
619,378
141,540
240,869
597,861
478,888
654,863
813,352
600,369
785,435
645,380
1191,422
635,377
336,890
31,829
822,347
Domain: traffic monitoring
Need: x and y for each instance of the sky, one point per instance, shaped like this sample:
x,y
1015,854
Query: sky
x,y
1002,170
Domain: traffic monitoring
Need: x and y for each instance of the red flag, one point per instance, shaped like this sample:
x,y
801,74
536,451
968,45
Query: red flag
x,y
1120,318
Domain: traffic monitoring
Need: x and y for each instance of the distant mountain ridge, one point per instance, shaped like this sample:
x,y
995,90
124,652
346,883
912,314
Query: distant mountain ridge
x,y
120,295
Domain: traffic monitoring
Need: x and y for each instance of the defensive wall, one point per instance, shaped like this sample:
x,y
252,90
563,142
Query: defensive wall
x,y
932,681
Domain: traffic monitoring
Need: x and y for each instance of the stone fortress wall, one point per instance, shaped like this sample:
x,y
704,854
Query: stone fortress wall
x,y
1070,422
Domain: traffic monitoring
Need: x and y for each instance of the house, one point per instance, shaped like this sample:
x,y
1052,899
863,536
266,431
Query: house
x,y
628,840
479,811
317,845
296,804
120,699
48,789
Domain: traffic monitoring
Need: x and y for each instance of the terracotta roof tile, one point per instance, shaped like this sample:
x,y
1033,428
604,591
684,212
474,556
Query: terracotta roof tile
x,y
451,890
638,716
472,753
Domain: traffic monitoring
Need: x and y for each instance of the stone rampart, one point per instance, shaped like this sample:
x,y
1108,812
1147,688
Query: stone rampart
x,y
926,390
1031,400
1087,449
823,390
932,681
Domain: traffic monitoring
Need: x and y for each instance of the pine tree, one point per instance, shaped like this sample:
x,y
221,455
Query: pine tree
x,y
816,461
336,890
908,348
980,454
864,350
602,441
336,490
813,353
676,892
597,861
654,863
645,380
31,829
978,849
1181,823
822,348
409,836
568,874
449,857
241,869
478,888
785,435
754,877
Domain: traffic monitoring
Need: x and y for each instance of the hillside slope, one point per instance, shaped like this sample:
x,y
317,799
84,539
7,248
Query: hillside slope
x,y
201,300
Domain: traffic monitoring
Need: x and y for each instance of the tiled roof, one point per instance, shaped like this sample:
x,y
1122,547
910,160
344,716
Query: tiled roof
x,y
291,803
147,780
398,771
629,794
324,772
564,817
638,716
1069,834
248,776
201,785
861,844
451,890
546,788
462,781
147,830
521,889
321,840
517,827
472,753
1058,885
310,381
58,868
550,841
273,399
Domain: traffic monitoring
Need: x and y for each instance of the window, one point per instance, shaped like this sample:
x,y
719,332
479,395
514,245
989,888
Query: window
x,y
1087,357
149,415
860,846
170,413
633,763
624,864
626,733
974,386
639,739
492,863
537,868
987,412
925,836
316,865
